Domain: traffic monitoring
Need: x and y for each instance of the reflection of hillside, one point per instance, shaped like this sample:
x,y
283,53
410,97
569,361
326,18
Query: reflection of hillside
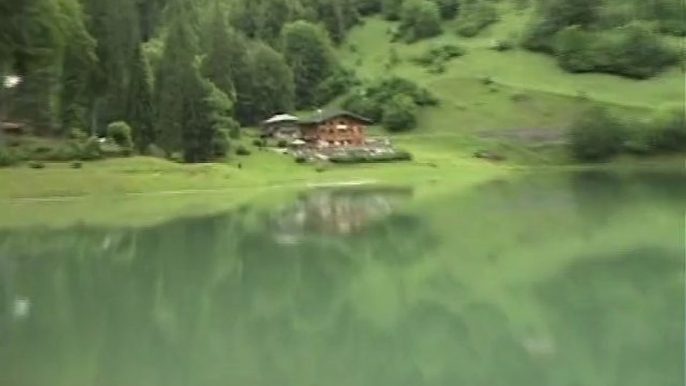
x,y
406,300
337,211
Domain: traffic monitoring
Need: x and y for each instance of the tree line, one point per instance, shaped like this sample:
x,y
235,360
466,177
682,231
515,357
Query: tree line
x,y
183,74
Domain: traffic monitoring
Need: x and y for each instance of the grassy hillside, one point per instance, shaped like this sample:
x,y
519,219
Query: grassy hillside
x,y
529,90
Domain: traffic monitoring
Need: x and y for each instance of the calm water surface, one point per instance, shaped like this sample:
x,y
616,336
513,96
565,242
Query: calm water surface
x,y
556,280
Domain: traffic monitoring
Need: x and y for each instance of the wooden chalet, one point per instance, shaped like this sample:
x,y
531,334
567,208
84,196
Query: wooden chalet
x,y
334,128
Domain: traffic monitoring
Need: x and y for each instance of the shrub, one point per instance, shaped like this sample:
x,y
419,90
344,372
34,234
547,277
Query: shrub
x,y
153,150
335,85
176,157
596,136
398,155
519,97
259,142
76,165
120,133
399,114
486,80
448,8
300,159
221,143
78,134
633,51
475,17
282,143
421,19
438,56
502,45
235,131
242,151
391,9
8,157
90,150
36,165
669,131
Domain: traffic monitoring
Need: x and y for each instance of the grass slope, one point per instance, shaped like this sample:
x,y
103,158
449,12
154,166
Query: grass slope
x,y
530,91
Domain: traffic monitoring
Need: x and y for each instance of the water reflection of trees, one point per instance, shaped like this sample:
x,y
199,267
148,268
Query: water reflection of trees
x,y
219,300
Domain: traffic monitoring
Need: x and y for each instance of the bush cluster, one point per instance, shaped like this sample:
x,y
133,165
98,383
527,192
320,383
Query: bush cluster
x,y
392,101
372,158
598,135
420,19
435,58
476,16
634,51
242,150
120,133
221,143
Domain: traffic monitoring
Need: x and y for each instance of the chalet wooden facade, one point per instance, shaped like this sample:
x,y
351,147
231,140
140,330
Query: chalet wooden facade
x,y
334,128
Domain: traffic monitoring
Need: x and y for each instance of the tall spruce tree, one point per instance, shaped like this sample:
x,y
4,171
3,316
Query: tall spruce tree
x,y
214,66
78,59
273,84
309,52
139,109
175,79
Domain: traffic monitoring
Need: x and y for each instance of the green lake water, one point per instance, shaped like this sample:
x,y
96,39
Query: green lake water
x,y
541,280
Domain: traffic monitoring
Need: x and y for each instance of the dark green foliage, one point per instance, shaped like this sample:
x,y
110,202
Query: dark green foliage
x,y
368,7
448,8
438,57
272,83
239,67
282,144
391,9
76,164
258,142
153,150
397,155
399,114
221,143
120,133
176,80
669,131
78,62
219,54
420,19
115,26
337,16
300,160
384,100
502,45
596,136
337,84
89,149
633,51
8,157
242,150
139,110
310,54
476,16
36,165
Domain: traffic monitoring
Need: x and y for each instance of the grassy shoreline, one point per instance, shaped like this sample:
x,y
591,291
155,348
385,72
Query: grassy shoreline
x,y
143,191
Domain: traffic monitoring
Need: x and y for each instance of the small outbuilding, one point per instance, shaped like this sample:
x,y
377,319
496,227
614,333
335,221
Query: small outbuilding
x,y
281,126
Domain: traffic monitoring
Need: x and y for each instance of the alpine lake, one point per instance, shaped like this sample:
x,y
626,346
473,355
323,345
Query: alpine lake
x,y
543,279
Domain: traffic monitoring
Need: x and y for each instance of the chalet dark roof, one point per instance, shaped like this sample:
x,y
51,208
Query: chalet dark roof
x,y
332,114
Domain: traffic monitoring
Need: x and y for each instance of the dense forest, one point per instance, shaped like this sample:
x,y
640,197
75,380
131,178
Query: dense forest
x,y
185,75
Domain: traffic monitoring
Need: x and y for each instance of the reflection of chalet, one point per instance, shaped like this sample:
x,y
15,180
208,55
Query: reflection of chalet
x,y
334,128
337,211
